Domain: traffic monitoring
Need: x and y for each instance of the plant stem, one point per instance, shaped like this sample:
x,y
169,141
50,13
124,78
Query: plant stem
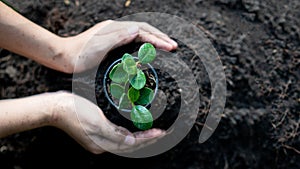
x,y
132,105
138,64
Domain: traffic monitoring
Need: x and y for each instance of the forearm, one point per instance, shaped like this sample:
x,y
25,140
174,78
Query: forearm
x,y
24,37
17,115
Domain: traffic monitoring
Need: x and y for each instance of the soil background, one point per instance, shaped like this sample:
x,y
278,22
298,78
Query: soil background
x,y
259,46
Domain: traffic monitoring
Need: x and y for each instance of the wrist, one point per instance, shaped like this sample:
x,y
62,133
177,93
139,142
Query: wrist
x,y
61,104
70,49
59,56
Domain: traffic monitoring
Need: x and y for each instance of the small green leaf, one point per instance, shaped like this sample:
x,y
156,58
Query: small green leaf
x,y
116,90
141,117
146,96
124,102
138,81
126,55
118,74
147,53
133,94
129,66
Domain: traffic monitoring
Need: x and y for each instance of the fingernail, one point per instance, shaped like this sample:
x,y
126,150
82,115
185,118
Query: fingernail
x,y
129,140
133,30
167,47
153,133
174,43
157,132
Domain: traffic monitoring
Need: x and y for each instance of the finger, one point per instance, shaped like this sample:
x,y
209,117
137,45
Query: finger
x,y
161,35
143,139
118,134
149,134
166,39
159,43
120,36
113,138
137,140
121,135
148,28
145,136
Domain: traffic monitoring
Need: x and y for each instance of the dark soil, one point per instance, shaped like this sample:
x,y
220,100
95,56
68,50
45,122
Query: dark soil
x,y
259,45
167,85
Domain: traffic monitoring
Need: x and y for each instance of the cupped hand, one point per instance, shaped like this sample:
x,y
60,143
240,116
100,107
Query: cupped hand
x,y
86,123
89,48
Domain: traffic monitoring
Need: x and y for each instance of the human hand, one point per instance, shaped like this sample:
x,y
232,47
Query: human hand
x,y
89,48
86,123
77,53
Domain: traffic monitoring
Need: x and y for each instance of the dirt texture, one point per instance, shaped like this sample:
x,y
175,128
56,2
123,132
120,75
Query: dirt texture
x,y
259,46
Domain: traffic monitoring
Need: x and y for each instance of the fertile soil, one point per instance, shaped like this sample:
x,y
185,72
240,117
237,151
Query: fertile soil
x,y
259,46
113,113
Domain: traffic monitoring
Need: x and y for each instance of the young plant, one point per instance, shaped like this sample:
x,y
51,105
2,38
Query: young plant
x,y
128,86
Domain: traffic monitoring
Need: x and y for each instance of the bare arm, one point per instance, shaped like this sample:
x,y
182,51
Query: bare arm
x,y
23,37
18,115
85,123
85,50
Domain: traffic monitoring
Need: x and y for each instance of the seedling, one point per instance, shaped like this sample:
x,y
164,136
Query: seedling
x,y
128,86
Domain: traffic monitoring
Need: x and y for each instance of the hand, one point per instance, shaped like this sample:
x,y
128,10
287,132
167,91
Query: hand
x,y
77,53
86,123
88,49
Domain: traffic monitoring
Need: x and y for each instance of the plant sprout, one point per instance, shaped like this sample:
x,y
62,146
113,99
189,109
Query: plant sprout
x,y
128,75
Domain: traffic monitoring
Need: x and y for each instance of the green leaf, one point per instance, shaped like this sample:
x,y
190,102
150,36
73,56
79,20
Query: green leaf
x,y
126,55
138,81
147,53
116,90
146,96
133,94
118,74
124,102
129,66
141,117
